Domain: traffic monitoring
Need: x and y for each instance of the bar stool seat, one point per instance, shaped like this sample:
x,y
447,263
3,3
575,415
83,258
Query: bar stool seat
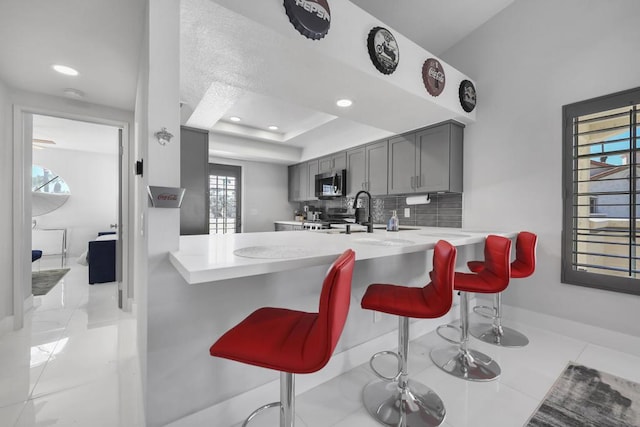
x,y
459,360
397,400
290,341
523,266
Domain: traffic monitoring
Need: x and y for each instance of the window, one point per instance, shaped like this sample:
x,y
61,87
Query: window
x,y
224,199
600,180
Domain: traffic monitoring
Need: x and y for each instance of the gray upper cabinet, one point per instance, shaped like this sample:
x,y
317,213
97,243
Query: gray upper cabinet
x,y
402,161
333,162
298,182
302,180
439,158
367,169
429,160
356,171
377,166
312,170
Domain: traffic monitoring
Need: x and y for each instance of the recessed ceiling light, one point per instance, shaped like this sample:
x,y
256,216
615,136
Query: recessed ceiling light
x,y
272,127
63,69
344,103
74,93
234,119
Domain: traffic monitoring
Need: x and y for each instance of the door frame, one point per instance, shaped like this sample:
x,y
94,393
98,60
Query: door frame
x,y
22,160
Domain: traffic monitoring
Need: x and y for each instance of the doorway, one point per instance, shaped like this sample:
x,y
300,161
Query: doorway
x,y
225,210
73,149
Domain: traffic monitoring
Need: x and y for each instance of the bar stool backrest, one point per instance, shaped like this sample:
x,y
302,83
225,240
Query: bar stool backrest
x,y
444,264
497,266
335,299
525,263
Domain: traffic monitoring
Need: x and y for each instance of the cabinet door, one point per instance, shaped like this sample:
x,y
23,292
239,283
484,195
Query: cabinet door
x,y
439,159
402,164
334,162
312,171
356,171
294,183
325,164
377,166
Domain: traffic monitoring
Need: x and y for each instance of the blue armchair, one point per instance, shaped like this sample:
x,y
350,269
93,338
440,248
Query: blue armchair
x,y
102,261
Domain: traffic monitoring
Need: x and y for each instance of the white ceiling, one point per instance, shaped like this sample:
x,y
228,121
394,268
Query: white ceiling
x,y
102,40
74,135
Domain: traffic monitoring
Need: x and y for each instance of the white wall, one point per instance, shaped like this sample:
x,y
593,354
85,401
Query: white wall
x,y
93,204
6,209
529,61
264,194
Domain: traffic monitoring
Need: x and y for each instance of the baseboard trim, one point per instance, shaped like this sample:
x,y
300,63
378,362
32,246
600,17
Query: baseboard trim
x,y
234,410
589,333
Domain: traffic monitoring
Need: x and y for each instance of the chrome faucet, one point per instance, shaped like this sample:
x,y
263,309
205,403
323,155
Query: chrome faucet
x,y
369,222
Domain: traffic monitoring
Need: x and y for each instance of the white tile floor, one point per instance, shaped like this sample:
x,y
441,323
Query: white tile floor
x,y
72,365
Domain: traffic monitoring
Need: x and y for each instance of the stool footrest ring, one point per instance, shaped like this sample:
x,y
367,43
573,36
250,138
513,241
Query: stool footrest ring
x,y
378,374
439,332
257,411
479,310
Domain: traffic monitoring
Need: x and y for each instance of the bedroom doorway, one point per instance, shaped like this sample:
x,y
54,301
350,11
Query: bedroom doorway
x,y
76,197
77,155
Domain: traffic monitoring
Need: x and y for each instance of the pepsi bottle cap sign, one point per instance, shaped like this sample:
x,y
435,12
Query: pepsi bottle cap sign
x,y
312,18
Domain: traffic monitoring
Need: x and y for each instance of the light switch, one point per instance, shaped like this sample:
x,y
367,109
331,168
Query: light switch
x,y
407,212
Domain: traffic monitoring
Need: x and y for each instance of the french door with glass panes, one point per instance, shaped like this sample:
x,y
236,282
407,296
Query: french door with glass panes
x,y
224,198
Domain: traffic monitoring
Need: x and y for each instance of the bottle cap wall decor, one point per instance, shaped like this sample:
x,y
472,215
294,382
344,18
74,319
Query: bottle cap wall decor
x,y
433,76
312,18
383,50
467,93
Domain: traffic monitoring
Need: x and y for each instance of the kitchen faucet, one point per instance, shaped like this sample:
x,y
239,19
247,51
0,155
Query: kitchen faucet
x,y
369,222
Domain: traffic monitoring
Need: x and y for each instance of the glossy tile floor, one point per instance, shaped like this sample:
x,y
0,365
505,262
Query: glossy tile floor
x,y
73,365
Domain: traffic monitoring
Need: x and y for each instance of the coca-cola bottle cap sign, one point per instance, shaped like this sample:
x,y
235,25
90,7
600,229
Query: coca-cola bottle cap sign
x,y
433,76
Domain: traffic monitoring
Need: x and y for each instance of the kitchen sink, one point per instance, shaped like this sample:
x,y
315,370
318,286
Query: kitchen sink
x,y
401,228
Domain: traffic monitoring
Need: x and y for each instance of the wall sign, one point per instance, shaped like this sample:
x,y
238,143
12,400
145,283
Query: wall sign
x,y
467,93
433,76
311,18
383,50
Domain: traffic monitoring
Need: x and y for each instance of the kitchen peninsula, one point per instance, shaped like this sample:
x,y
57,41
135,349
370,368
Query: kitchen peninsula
x,y
226,277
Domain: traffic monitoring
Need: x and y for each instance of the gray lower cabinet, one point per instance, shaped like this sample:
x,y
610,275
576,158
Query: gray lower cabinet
x,y
429,160
367,169
194,178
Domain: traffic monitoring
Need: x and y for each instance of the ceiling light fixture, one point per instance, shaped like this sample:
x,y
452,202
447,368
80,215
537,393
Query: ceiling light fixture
x,y
272,127
344,103
73,93
234,119
63,69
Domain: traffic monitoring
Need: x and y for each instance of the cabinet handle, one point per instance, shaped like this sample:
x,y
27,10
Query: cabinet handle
x,y
362,186
419,179
366,185
413,178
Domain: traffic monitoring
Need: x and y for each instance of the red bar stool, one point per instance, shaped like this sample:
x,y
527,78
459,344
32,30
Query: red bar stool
x,y
292,342
459,360
398,401
523,266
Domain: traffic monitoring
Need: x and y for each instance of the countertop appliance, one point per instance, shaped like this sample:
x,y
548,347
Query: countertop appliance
x,y
331,185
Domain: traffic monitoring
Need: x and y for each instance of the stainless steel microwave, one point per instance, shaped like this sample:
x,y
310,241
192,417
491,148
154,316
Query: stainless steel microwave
x,y
331,184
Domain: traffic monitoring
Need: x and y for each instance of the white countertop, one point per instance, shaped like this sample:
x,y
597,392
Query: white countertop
x,y
208,258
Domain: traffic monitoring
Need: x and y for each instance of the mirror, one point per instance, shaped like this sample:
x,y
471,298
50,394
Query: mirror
x,y
48,191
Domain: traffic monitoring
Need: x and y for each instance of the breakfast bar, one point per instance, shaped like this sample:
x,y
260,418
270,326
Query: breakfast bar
x,y
226,277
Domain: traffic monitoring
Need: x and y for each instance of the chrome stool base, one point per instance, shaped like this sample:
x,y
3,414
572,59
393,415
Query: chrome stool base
x,y
504,337
469,365
415,406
